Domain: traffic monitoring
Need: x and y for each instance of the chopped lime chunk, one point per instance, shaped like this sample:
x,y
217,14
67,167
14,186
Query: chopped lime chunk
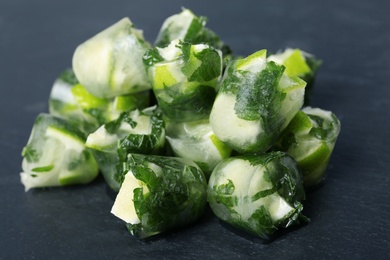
x,y
110,63
314,158
197,142
133,131
257,193
310,139
163,77
236,132
85,99
75,104
184,78
223,149
55,155
300,123
296,64
300,64
254,62
255,102
159,193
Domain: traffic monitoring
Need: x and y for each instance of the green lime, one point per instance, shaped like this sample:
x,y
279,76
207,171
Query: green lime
x,y
222,148
315,157
86,99
163,77
296,64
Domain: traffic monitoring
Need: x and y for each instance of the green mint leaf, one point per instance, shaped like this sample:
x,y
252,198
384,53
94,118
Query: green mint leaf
x,y
43,168
194,29
113,126
69,77
225,189
257,99
210,67
152,57
30,154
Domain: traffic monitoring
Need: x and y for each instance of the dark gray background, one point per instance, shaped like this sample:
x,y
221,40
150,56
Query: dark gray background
x,y
350,213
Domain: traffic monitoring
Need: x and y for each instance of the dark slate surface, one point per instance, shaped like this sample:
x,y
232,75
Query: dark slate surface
x,y
350,213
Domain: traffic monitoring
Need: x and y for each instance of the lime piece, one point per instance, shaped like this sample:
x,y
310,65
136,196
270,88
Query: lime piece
x,y
317,156
296,64
85,99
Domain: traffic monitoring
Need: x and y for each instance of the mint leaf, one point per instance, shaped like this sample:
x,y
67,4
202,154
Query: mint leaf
x,y
259,96
43,168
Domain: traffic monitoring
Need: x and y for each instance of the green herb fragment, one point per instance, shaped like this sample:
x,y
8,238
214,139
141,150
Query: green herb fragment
x,y
256,100
42,169
188,27
68,77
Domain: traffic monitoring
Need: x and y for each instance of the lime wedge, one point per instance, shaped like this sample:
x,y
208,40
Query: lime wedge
x,y
296,64
222,148
251,60
315,157
86,99
163,77
300,123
